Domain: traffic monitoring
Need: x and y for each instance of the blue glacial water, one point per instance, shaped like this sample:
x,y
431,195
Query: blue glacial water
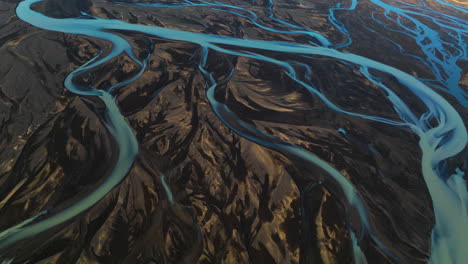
x,y
444,44
438,142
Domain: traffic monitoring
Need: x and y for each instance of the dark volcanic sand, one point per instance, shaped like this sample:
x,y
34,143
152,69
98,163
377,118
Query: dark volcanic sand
x,y
234,200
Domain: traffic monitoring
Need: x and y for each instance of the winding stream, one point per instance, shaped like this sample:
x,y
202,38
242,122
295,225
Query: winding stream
x,y
438,142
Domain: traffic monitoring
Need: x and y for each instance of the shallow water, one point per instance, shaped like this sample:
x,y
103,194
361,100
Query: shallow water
x,y
439,141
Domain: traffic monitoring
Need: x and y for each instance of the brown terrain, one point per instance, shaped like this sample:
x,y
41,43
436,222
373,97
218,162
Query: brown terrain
x,y
234,201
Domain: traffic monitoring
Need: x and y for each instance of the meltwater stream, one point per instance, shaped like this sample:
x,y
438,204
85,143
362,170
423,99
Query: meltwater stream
x,y
442,41
438,142
441,37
